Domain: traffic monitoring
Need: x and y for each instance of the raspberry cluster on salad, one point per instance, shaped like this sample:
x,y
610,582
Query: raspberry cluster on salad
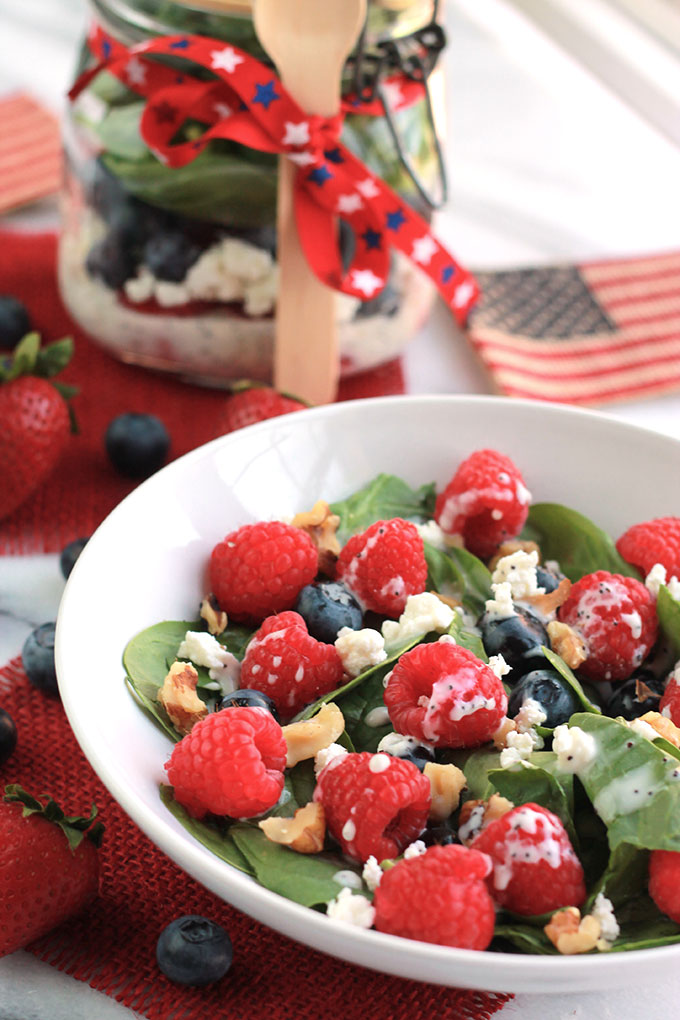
x,y
452,716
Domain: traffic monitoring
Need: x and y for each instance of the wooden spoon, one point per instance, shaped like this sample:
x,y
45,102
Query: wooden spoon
x,y
309,41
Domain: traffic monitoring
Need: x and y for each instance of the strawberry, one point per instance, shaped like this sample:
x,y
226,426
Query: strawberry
x,y
250,403
34,418
49,870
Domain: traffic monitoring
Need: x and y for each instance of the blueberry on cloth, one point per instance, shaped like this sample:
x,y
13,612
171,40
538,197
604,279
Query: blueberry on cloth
x,y
552,693
111,260
326,608
14,322
638,694
194,951
170,254
69,555
38,658
8,735
137,444
517,638
248,698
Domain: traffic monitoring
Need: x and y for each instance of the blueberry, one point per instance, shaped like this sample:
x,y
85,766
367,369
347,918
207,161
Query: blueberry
x,y
247,698
631,700
517,638
8,736
552,693
170,254
112,260
326,608
14,322
38,658
439,835
194,951
548,579
137,444
69,555
406,748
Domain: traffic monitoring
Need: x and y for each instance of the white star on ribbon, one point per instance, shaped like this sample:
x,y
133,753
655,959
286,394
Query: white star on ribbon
x,y
296,134
423,249
462,294
368,188
222,109
226,60
135,71
349,203
366,281
301,158
393,94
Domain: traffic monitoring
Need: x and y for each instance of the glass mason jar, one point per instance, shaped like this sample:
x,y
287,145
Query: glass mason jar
x,y
175,269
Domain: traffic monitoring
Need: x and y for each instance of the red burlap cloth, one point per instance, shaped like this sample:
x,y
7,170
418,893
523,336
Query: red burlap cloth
x,y
85,488
112,946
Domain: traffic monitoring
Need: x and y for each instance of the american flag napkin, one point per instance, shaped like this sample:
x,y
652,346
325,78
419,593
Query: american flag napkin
x,y
30,152
588,334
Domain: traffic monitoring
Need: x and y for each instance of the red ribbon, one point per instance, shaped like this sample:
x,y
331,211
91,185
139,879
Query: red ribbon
x,y
245,102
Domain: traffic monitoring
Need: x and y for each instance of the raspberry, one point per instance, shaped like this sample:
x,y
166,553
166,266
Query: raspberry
x,y
664,882
486,502
616,617
284,661
439,897
231,763
261,568
669,704
656,541
444,695
375,805
255,404
384,565
535,868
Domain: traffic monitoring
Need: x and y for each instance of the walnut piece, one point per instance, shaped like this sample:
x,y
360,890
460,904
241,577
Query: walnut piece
x,y
567,643
493,808
572,934
179,698
448,600
321,526
663,726
549,601
446,784
305,739
304,832
215,617
513,545
500,737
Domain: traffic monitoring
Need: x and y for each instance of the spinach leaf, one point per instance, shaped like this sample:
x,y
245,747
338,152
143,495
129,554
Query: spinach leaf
x,y
357,707
668,611
467,638
305,878
579,546
633,785
385,497
524,936
565,672
210,835
461,574
298,787
536,785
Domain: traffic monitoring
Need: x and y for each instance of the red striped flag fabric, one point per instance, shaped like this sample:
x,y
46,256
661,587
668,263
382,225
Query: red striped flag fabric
x,y
30,152
589,334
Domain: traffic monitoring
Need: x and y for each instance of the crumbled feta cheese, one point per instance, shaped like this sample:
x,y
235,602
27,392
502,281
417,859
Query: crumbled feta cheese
x,y
603,911
351,908
530,714
204,649
140,287
208,279
328,754
431,533
260,296
245,261
643,728
414,849
170,295
422,614
519,570
518,748
575,749
500,606
360,649
656,577
372,873
499,666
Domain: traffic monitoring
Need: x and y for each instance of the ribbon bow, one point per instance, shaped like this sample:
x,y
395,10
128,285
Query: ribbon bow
x,y
245,102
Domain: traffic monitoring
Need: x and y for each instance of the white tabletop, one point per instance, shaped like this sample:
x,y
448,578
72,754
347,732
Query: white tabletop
x,y
546,165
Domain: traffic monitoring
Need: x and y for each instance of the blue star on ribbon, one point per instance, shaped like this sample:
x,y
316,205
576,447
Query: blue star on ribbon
x,y
334,155
447,273
319,175
395,219
372,239
180,44
106,49
265,94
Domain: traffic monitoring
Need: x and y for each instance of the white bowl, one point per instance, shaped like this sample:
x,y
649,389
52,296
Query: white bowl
x,y
147,563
